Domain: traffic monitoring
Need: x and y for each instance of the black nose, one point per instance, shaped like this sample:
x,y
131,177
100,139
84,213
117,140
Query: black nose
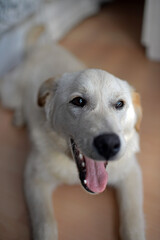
x,y
107,145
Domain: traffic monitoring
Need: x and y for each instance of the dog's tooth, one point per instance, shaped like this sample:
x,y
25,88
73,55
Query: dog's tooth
x,y
83,164
85,181
81,156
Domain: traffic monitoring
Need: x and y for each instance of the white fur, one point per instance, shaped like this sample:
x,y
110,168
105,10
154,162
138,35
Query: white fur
x,y
49,164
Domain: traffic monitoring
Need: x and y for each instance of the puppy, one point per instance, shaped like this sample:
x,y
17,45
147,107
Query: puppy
x,y
84,129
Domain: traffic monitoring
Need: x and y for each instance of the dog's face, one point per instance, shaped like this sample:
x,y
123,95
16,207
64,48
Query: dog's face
x,y
95,112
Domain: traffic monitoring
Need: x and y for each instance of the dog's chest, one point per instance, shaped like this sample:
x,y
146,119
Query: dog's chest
x,y
62,168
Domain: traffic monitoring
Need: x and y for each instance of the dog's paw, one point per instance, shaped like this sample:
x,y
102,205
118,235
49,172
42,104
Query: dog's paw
x,y
135,233
47,231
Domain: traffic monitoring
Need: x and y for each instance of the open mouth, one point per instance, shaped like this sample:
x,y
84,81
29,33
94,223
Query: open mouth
x,y
92,173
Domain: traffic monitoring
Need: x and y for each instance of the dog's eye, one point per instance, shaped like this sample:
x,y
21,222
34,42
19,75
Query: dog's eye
x,y
119,105
79,102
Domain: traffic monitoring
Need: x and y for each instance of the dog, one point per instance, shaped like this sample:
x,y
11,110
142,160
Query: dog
x,y
84,129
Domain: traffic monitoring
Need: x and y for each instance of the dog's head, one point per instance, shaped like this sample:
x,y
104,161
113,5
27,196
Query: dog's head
x,y
97,114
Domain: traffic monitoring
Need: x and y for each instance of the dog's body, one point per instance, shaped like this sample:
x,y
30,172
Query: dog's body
x,y
77,113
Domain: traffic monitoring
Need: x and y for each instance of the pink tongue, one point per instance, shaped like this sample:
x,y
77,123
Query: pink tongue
x,y
96,175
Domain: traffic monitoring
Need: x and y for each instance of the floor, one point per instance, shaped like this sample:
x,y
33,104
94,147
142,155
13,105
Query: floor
x,y
111,41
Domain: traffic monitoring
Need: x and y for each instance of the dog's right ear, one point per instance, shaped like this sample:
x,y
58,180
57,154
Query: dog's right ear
x,y
46,89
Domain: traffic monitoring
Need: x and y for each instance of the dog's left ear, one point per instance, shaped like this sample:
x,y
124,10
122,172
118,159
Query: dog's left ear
x,y
46,89
138,109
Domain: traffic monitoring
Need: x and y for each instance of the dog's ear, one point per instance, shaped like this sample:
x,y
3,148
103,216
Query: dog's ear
x,y
46,89
138,109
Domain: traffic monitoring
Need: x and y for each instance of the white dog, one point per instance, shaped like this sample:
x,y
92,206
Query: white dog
x,y
84,129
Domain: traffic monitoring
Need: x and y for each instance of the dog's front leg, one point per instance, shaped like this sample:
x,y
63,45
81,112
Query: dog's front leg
x,y
131,207
38,191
